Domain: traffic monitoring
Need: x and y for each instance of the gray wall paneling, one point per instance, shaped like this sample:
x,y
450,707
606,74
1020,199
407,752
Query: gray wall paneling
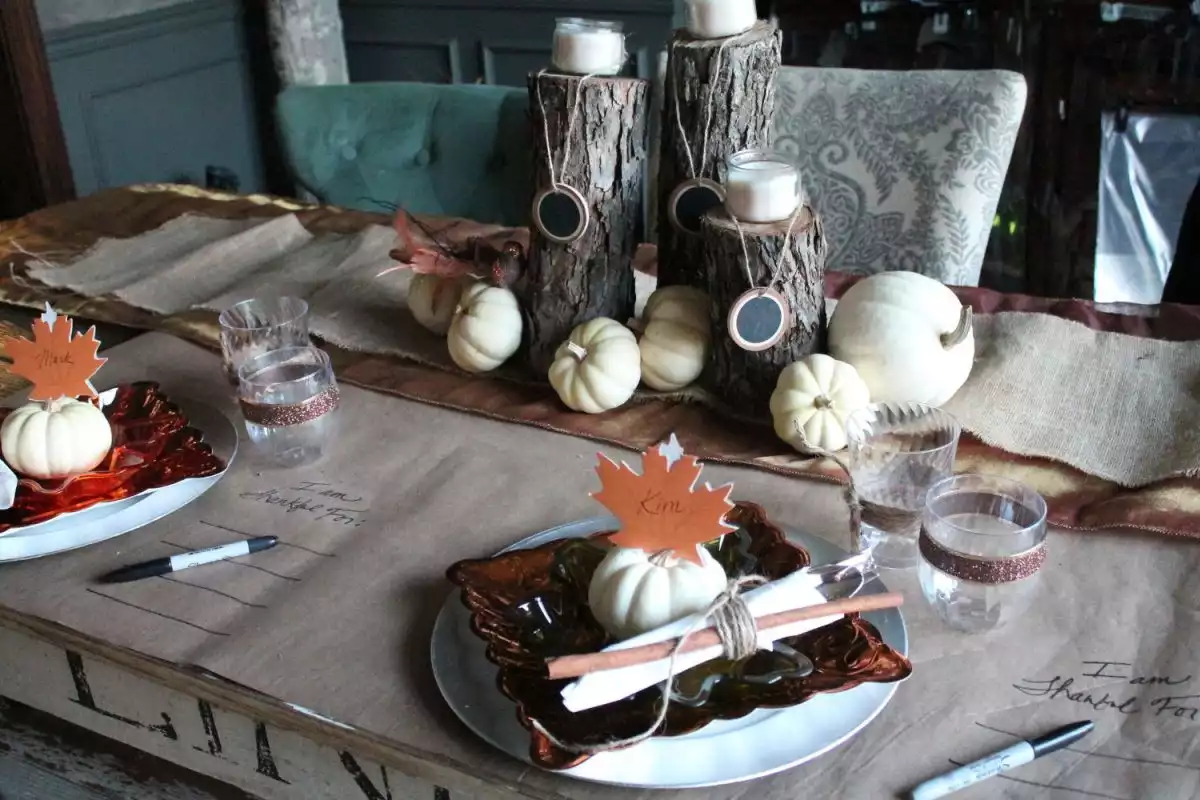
x,y
157,96
484,41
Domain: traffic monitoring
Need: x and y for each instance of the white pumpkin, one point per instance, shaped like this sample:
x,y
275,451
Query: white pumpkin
x,y
486,329
676,337
433,301
633,591
815,395
685,305
598,368
908,336
55,439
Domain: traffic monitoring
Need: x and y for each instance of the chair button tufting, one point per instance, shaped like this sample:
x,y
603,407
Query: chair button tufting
x,y
349,152
423,158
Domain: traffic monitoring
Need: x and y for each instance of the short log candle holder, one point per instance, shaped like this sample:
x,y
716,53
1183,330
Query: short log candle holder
x,y
766,313
590,171
719,98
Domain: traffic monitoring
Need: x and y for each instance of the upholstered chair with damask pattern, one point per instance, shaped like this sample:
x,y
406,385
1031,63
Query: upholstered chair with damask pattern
x,y
905,168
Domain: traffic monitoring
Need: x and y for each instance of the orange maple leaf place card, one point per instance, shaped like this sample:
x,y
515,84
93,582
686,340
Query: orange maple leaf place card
x,y
58,362
662,508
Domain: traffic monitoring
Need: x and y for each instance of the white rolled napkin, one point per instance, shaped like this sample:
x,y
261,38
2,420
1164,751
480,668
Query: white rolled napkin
x,y
8,487
798,590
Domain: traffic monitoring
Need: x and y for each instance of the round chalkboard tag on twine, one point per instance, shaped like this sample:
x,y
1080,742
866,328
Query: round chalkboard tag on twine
x,y
759,319
689,202
561,214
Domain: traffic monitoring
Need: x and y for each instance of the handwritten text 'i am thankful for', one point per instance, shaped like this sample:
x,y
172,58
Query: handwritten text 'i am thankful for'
x,y
1157,695
322,501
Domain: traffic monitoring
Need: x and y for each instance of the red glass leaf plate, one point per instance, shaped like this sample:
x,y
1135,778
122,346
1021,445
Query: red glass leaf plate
x,y
548,585
152,447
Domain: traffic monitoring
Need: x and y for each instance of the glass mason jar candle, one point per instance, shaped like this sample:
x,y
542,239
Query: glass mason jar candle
x,y
761,186
982,548
716,19
588,47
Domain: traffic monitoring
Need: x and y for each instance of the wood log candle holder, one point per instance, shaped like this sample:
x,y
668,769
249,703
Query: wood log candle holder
x,y
719,98
745,378
589,173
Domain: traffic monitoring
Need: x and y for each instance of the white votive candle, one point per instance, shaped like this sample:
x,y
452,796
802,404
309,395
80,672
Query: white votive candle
x,y
716,19
588,47
761,186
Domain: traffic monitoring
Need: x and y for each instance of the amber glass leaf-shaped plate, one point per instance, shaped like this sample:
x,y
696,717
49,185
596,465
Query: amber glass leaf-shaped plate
x,y
530,604
154,446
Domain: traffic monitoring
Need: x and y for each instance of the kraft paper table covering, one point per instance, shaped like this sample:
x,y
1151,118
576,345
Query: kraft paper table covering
x,y
1076,499
346,631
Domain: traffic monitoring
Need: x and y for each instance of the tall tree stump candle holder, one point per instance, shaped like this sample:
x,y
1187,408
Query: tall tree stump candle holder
x,y
772,263
590,155
719,98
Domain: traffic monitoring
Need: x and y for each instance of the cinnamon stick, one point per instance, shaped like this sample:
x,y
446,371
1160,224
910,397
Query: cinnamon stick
x,y
574,666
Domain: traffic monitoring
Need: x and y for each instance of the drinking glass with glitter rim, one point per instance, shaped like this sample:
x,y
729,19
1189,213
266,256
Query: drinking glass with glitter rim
x,y
897,451
982,549
289,399
253,327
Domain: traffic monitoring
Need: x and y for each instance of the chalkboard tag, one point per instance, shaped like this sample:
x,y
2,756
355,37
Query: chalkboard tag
x,y
689,202
561,214
759,319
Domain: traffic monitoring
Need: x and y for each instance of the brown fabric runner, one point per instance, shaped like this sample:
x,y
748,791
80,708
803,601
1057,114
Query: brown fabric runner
x,y
1076,499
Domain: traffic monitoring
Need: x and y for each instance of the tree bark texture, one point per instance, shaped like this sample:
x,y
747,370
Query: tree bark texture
x,y
567,284
742,378
307,42
742,97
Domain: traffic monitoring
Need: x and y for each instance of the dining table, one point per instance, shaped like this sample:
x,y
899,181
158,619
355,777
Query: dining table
x,y
306,670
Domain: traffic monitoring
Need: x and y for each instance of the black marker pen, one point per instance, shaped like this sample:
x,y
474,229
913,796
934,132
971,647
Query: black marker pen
x,y
194,558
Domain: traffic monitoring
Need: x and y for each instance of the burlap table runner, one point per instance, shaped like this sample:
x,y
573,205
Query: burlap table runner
x,y
1117,407
337,619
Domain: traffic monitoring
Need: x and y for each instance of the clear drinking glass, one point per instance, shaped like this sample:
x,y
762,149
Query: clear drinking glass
x,y
289,399
982,549
897,451
254,327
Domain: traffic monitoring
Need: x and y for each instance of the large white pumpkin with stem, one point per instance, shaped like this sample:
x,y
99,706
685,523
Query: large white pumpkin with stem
x,y
813,397
676,336
633,591
55,439
486,329
598,368
433,301
908,336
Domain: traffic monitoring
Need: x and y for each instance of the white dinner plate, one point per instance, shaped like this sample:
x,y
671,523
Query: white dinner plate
x,y
108,520
725,751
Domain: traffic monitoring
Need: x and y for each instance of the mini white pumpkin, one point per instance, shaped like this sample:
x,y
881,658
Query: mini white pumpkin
x,y
908,336
633,591
598,368
815,395
676,337
433,300
486,329
55,439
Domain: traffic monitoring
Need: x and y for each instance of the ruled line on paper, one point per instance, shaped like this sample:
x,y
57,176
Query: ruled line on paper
x,y
210,589
281,541
156,613
1055,786
1081,751
237,563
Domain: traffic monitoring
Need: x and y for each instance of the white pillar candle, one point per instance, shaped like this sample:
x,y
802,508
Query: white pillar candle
x,y
761,186
716,19
588,47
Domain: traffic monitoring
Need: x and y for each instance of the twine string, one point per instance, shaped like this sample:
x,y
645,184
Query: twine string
x,y
572,115
849,493
735,625
784,257
714,73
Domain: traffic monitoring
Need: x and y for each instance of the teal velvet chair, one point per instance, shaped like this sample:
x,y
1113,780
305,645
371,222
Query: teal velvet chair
x,y
456,150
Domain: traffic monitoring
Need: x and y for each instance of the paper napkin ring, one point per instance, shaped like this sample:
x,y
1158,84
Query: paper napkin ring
x,y
282,415
982,569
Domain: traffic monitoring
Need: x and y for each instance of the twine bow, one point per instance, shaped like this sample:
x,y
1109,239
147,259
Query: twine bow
x,y
735,625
